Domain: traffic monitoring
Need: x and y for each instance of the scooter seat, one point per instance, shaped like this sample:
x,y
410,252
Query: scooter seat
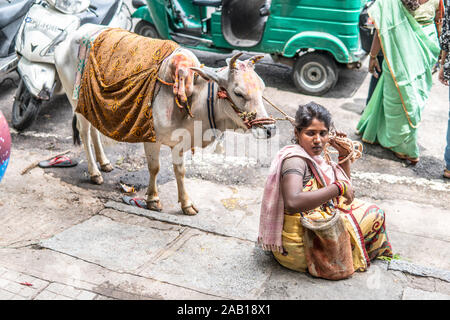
x,y
104,12
207,3
9,12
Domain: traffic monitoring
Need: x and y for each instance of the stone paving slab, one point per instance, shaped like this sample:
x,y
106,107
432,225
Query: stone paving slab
x,y
59,291
225,210
201,221
416,294
19,286
374,284
417,219
218,265
421,250
113,245
69,271
419,270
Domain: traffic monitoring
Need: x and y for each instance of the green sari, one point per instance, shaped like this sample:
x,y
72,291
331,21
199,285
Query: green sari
x,y
410,50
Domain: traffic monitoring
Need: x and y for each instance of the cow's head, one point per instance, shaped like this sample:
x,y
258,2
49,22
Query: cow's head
x,y
240,84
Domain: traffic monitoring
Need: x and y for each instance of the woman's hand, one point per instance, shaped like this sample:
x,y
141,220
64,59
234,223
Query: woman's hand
x,y
349,195
342,152
373,64
441,76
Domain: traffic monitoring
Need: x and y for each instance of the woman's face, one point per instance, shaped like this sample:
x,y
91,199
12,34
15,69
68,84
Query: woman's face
x,y
313,138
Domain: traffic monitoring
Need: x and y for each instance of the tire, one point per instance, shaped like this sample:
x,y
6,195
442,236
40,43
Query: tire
x,y
25,108
315,74
146,29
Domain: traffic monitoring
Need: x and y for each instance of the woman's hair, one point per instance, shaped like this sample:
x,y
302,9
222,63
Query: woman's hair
x,y
411,4
307,112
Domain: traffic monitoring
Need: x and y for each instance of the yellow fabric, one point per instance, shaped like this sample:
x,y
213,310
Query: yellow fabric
x,y
292,237
368,217
371,221
425,12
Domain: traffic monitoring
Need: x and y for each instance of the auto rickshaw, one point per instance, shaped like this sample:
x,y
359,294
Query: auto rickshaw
x,y
314,37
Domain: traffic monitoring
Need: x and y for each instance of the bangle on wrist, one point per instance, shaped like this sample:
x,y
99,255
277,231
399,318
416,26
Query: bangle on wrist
x,y
341,190
345,187
373,56
340,186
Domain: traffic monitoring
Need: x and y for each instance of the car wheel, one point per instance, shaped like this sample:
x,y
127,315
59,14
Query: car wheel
x,y
25,108
315,74
146,29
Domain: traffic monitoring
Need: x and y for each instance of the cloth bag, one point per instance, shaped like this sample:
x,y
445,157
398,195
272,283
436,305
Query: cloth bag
x,y
327,247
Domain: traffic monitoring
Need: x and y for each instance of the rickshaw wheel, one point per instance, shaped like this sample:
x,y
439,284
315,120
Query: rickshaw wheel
x,y
146,29
315,73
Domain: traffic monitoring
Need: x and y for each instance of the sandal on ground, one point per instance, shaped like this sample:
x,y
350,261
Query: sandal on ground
x,y
135,202
58,162
447,173
413,161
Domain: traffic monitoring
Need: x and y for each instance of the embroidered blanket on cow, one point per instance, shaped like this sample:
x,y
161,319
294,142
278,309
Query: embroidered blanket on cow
x,y
118,83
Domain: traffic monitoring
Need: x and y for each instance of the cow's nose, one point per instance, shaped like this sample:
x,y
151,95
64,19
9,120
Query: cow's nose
x,y
270,129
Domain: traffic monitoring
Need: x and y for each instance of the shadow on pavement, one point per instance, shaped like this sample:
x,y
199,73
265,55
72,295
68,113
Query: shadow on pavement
x,y
427,168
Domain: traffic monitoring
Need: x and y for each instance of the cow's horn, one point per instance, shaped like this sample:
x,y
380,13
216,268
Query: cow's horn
x,y
233,60
255,59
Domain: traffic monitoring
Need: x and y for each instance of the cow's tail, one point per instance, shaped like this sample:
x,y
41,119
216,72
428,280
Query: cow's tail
x,y
76,132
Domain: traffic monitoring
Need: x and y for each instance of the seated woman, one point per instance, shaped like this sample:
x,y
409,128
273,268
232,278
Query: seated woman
x,y
301,180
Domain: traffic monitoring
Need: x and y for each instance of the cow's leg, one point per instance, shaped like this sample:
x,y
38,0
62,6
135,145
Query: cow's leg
x,y
152,154
85,127
178,167
105,165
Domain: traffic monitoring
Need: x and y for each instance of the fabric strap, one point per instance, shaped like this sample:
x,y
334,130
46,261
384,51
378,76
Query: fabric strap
x,y
210,104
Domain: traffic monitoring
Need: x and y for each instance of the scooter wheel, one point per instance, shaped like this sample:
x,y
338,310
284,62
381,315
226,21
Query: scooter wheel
x,y
25,108
146,29
315,73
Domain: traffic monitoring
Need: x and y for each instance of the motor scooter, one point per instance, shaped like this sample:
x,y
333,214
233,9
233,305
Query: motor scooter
x,y
12,13
47,24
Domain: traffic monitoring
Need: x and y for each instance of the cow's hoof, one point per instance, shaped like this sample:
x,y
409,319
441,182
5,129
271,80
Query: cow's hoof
x,y
154,205
97,179
190,210
106,167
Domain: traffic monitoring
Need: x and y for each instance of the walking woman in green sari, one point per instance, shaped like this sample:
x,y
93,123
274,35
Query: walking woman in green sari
x,y
406,32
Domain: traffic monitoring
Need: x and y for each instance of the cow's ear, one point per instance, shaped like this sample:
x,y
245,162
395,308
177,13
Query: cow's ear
x,y
207,73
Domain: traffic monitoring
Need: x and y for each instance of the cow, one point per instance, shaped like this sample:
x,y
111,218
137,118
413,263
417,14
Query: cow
x,y
241,91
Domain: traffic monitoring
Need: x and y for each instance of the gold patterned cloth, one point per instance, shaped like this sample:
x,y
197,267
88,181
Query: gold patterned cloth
x,y
118,84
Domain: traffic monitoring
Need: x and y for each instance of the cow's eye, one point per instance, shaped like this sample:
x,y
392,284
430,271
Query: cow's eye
x,y
239,95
